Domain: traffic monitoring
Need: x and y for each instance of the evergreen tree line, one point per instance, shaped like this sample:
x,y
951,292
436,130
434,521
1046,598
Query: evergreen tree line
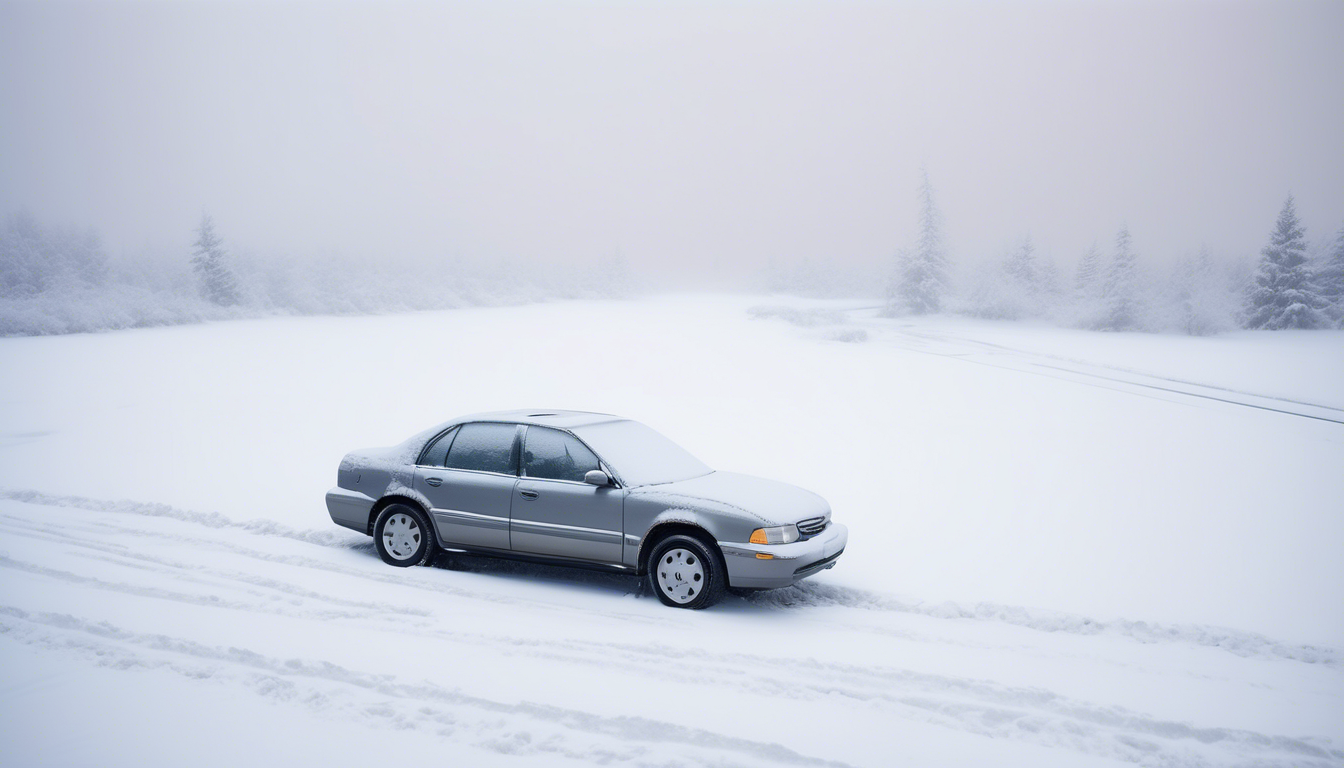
x,y
60,280
1111,291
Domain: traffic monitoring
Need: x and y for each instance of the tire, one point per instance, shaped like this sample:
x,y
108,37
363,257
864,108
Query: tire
x,y
686,572
403,536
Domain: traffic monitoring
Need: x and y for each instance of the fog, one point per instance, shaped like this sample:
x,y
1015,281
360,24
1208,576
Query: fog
x,y
1015,326
699,138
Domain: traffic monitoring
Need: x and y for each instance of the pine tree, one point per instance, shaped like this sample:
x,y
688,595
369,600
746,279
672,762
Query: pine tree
x,y
1120,291
217,281
1088,277
921,278
1202,297
1047,281
1024,282
1330,277
35,259
1021,266
1283,294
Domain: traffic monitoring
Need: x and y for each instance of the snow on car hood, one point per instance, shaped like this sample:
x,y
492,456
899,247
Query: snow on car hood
x,y
772,502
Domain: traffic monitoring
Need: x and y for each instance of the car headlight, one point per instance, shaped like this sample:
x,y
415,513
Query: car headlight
x,y
783,534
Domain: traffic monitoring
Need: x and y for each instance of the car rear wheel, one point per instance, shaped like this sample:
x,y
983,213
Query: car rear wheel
x,y
403,536
685,572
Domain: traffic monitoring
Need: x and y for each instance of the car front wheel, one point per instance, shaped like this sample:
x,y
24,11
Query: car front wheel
x,y
403,536
686,573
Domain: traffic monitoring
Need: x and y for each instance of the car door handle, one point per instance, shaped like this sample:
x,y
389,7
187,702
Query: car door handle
x,y
529,494
434,481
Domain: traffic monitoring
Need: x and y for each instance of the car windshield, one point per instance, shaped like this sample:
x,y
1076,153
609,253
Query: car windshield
x,y
639,455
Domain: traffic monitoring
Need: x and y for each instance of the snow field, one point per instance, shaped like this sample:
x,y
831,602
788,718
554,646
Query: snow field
x,y
1063,551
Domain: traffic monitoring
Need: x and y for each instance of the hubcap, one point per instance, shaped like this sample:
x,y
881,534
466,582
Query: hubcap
x,y
681,574
401,536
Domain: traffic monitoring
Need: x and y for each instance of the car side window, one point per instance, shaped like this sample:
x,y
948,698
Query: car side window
x,y
436,452
484,447
554,455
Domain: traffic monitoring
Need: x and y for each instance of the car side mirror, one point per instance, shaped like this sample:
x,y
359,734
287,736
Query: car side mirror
x,y
597,477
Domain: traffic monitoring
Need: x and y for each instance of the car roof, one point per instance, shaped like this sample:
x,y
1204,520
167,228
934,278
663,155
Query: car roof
x,y
543,417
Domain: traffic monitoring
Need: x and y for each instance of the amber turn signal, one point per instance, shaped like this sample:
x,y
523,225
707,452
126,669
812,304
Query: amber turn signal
x,y
783,534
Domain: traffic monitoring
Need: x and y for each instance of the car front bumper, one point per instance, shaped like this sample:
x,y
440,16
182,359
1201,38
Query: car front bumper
x,y
788,564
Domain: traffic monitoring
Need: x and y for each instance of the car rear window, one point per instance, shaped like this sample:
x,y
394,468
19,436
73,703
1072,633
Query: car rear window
x,y
484,447
554,455
437,451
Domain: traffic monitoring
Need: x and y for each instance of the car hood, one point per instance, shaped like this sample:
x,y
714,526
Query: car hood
x,y
770,501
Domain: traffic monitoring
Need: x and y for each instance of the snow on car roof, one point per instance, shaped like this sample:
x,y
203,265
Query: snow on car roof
x,y
543,417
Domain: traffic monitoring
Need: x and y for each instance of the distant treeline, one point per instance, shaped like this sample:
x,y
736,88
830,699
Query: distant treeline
x,y
59,280
1285,286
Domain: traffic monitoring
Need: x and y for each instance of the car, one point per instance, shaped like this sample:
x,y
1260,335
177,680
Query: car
x,y
584,489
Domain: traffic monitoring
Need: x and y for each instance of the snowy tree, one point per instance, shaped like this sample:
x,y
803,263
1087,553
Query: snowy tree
x,y
35,259
1087,307
216,279
23,265
1120,291
921,276
1088,279
1202,298
1283,294
1021,266
1330,277
1021,282
84,255
1012,287
1048,279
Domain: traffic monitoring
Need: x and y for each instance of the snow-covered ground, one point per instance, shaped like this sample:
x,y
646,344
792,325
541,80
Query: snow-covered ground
x,y
1067,548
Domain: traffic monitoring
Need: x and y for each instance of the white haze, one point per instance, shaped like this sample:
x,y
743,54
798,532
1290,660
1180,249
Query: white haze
x,y
699,138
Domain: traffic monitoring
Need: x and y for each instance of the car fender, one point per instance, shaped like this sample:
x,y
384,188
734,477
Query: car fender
x,y
647,515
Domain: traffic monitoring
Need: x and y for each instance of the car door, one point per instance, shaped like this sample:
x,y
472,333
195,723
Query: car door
x,y
554,512
469,475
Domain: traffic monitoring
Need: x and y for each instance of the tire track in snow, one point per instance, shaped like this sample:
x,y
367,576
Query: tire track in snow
x,y
806,594
412,578
1188,393
407,705
183,571
983,708
494,641
1130,382
215,601
331,538
159,593
176,570
1119,369
1239,642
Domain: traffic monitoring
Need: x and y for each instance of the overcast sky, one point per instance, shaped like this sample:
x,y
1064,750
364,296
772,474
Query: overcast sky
x,y
679,134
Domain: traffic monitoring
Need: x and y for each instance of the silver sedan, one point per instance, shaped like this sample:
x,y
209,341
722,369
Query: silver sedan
x,y
585,489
